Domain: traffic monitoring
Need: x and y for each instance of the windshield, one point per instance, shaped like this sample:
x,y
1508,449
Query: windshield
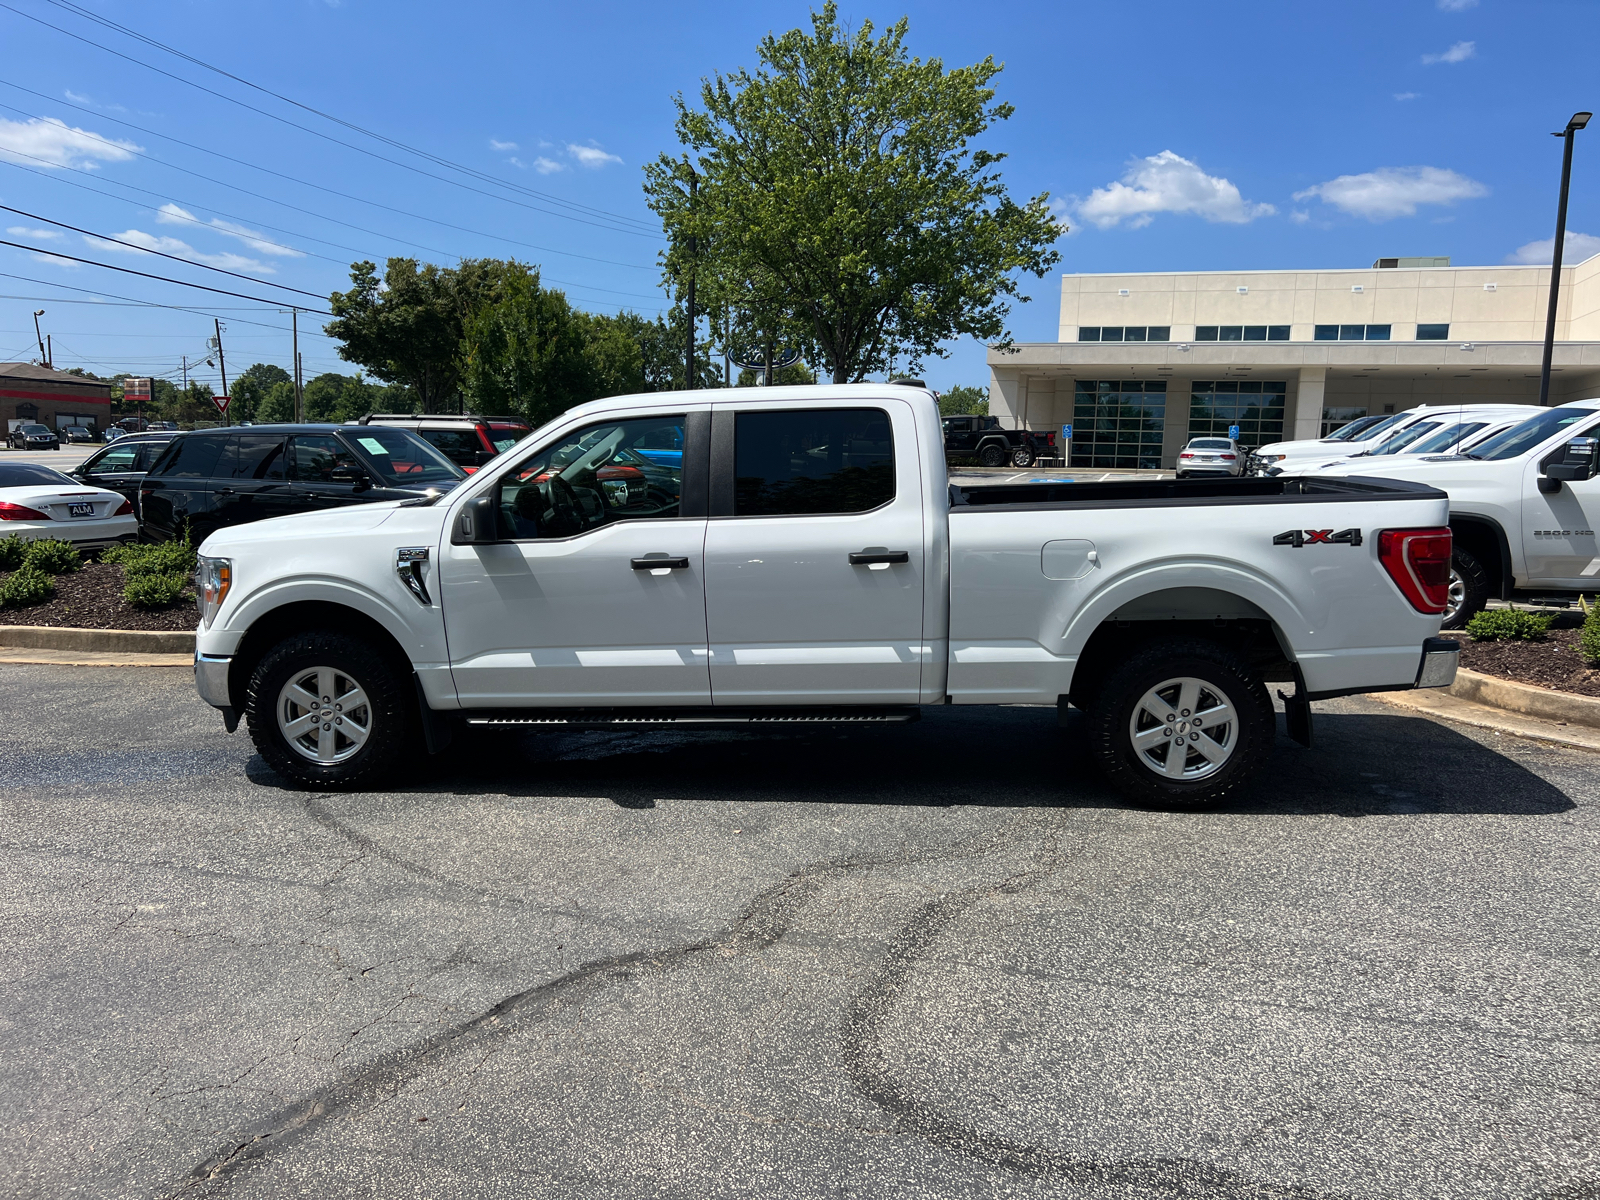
x,y
1448,437
1521,438
29,475
34,430
401,459
1345,432
1374,432
1211,444
1405,437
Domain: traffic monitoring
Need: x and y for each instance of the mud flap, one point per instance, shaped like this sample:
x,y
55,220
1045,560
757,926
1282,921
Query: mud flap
x,y
1297,716
437,731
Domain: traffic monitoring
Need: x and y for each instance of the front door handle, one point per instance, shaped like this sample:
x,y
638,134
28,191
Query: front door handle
x,y
223,492
653,564
867,558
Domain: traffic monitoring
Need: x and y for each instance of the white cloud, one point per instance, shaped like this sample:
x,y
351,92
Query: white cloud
x,y
1167,182
1392,192
591,156
1457,5
1460,52
1575,249
496,144
1407,95
75,98
548,166
1299,216
178,249
171,214
38,235
54,143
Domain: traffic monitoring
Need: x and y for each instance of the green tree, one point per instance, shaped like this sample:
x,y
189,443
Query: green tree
x,y
276,403
964,401
526,353
408,327
837,189
250,388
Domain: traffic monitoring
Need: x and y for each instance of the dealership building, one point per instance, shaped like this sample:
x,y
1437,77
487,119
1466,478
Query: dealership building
x,y
33,394
1147,361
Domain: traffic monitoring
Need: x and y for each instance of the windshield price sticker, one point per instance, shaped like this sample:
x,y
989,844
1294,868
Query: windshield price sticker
x,y
372,445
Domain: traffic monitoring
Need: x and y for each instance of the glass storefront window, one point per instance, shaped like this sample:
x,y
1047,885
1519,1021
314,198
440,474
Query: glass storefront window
x,y
1254,405
1118,424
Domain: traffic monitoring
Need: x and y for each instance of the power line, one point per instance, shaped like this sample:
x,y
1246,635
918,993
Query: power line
x,y
106,23
158,253
161,278
614,228
289,178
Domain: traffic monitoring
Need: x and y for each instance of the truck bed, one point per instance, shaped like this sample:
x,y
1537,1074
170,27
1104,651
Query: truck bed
x,y
1169,493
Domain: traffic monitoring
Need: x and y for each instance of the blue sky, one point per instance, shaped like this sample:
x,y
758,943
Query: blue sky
x,y
1169,135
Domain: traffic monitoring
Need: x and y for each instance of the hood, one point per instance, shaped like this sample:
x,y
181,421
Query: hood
x,y
354,518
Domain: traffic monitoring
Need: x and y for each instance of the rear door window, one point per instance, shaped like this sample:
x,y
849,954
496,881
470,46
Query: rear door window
x,y
192,457
812,461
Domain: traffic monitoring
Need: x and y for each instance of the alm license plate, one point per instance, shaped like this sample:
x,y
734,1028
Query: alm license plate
x,y
80,510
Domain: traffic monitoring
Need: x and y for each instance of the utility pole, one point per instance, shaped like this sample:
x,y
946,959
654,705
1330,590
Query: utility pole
x,y
299,397
49,352
222,365
1579,120
689,295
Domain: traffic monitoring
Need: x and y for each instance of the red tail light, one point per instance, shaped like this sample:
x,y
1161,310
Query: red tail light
x,y
1230,457
1418,560
124,510
20,512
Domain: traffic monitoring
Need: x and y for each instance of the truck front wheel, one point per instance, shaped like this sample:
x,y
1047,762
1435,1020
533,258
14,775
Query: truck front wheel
x,y
327,711
1469,590
1182,724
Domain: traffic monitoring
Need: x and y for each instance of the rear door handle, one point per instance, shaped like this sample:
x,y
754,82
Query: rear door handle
x,y
863,558
653,564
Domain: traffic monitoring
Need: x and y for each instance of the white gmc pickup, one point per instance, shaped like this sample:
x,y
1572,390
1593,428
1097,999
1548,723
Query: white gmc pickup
x,y
797,554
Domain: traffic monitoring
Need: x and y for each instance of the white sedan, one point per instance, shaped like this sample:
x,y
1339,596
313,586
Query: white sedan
x,y
39,502
1211,456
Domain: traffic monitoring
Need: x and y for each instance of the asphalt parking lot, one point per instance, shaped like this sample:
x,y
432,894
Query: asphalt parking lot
x,y
939,960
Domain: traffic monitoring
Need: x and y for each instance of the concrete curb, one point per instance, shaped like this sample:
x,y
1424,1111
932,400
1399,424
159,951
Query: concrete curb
x,y
97,641
1527,699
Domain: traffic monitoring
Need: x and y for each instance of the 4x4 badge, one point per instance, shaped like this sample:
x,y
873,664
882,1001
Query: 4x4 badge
x,y
1317,537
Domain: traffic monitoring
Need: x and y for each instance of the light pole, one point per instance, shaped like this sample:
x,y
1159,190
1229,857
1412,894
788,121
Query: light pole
x,y
37,313
1579,120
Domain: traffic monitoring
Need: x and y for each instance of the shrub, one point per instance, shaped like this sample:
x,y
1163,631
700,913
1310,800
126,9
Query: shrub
x,y
1508,625
1589,638
147,590
167,558
52,556
26,585
12,551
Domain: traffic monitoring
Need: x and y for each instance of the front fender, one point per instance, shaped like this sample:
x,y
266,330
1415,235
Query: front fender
x,y
421,643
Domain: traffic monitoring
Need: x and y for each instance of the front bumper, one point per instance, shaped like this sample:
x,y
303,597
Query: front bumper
x,y
211,680
1440,659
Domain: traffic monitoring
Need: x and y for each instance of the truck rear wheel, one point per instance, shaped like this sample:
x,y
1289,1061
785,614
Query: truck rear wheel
x,y
327,711
992,456
1022,457
1183,724
1469,590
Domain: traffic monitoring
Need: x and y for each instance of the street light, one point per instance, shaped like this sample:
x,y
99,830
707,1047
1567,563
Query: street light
x,y
1579,120
37,313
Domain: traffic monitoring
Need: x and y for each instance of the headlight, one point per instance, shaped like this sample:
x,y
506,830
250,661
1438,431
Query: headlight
x,y
213,578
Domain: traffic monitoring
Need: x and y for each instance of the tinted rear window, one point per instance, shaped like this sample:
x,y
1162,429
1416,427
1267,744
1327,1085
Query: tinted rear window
x,y
253,456
29,475
191,458
812,461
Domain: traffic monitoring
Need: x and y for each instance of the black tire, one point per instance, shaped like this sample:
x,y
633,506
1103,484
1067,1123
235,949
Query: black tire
x,y
1468,571
992,456
1022,457
1127,768
392,720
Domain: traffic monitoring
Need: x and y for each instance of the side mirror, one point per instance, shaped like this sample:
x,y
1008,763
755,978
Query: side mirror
x,y
475,523
1582,461
353,475
483,458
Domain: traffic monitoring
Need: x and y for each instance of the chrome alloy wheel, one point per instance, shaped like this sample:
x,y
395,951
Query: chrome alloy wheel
x,y
324,714
1184,728
1456,598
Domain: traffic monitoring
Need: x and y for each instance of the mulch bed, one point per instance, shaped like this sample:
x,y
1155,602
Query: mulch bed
x,y
1554,663
92,599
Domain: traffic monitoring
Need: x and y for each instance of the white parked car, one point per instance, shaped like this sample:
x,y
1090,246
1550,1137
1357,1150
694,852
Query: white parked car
x,y
38,502
806,560
1449,431
1211,456
1524,507
1279,455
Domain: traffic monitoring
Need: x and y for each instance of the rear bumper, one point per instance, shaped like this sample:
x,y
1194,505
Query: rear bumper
x,y
1440,658
86,535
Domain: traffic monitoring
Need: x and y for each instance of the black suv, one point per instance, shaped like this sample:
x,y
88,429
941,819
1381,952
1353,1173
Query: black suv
x,y
121,466
212,478
32,436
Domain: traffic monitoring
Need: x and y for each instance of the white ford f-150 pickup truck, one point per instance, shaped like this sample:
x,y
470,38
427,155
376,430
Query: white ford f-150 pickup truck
x,y
797,554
